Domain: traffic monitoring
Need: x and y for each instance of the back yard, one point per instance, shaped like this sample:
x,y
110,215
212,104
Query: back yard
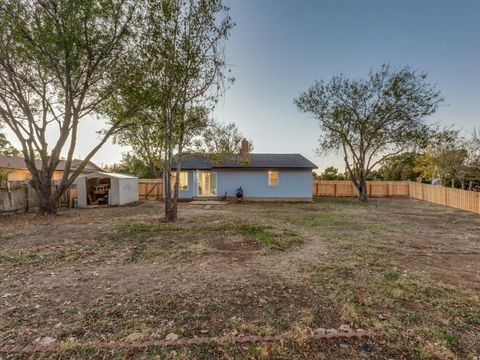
x,y
87,277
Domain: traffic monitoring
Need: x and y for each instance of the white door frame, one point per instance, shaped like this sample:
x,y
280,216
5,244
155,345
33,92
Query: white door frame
x,y
198,183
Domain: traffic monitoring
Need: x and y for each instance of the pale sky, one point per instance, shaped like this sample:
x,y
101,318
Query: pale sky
x,y
280,47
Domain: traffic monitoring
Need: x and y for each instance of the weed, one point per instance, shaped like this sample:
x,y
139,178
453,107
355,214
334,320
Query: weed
x,y
20,259
142,228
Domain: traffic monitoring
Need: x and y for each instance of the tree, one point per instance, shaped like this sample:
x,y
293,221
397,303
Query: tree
x,y
133,165
181,54
217,138
371,120
6,147
472,161
451,158
400,167
331,173
146,140
59,63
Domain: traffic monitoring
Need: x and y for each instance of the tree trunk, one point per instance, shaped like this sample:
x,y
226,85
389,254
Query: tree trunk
x,y
47,204
169,211
362,190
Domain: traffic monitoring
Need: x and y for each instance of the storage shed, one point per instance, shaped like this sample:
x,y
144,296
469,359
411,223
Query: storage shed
x,y
102,188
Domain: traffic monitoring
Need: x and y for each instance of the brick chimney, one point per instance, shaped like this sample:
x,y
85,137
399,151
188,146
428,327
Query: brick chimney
x,y
244,150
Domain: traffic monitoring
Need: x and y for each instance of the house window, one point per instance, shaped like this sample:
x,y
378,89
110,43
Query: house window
x,y
272,178
183,180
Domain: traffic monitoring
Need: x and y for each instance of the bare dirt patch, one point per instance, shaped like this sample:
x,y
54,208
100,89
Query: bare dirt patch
x,y
122,274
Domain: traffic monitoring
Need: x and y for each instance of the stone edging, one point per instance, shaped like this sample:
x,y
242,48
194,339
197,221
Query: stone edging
x,y
318,334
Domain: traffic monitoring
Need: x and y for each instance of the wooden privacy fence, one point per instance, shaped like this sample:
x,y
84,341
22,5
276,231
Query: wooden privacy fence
x,y
456,198
22,198
345,188
150,189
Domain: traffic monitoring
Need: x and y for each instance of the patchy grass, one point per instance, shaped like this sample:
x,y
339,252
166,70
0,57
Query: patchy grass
x,y
148,228
121,274
265,235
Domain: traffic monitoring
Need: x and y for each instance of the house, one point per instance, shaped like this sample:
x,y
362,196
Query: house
x,y
261,176
16,170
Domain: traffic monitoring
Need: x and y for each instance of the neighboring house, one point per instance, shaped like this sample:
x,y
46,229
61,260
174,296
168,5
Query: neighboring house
x,y
16,170
261,176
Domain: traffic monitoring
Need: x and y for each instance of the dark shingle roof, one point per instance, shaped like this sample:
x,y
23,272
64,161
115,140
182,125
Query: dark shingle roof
x,y
257,161
17,162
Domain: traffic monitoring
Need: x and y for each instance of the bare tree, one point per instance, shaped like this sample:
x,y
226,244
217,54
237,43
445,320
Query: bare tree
x,y
59,63
371,120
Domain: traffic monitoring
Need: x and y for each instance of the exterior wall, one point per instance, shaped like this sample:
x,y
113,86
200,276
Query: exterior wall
x,y
17,175
81,191
22,175
293,184
114,191
128,191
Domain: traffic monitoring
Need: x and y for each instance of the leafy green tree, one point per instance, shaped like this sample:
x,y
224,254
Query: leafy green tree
x,y
472,162
371,120
217,138
146,140
182,62
60,62
6,147
450,157
331,173
400,167
132,165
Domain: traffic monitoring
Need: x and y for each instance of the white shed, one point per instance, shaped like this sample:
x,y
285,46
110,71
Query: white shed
x,y
106,188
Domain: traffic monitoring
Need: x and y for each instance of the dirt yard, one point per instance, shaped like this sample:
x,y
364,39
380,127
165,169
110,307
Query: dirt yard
x,y
121,274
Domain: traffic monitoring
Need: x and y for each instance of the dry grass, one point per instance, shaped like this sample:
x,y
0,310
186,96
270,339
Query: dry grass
x,y
122,274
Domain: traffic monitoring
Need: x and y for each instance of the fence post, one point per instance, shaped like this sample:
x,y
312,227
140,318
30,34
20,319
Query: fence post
x,y
316,189
335,190
446,196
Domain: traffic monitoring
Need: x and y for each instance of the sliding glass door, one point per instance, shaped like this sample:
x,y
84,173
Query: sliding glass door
x,y
207,183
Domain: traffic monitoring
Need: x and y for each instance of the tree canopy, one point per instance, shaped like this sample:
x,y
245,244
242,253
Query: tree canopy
x,y
6,147
452,158
331,173
218,138
60,62
371,120
182,62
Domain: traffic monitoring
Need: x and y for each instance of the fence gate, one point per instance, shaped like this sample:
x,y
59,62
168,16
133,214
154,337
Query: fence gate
x,y
150,189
